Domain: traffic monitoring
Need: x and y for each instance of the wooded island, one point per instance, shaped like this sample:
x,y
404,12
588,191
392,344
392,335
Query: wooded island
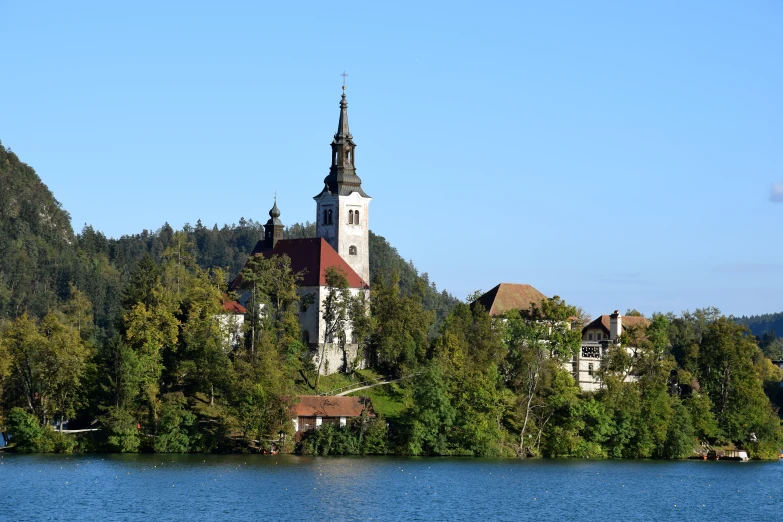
x,y
122,345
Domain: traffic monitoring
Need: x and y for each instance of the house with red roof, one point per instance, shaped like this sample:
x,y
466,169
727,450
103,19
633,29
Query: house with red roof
x,y
342,241
313,411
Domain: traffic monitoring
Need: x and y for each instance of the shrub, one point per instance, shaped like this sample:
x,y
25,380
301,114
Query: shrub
x,y
25,430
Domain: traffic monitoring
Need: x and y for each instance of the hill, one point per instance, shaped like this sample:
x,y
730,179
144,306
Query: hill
x,y
37,253
766,328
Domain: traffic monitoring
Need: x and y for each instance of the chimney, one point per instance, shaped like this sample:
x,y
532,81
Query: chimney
x,y
615,325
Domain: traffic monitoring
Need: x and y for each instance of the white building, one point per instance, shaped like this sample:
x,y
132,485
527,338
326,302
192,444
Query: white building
x,y
597,337
231,322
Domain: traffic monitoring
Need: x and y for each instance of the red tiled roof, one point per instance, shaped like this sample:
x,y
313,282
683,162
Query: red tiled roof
x,y
320,406
313,256
234,307
509,296
603,322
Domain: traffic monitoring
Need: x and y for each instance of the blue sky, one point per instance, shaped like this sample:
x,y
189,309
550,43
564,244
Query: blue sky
x,y
620,155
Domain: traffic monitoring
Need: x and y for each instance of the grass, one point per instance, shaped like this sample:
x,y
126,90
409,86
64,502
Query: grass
x,y
388,400
336,381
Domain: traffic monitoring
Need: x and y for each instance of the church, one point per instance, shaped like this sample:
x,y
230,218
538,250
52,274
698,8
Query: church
x,y
342,240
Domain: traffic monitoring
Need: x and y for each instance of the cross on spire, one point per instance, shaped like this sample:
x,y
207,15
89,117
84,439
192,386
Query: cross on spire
x,y
344,75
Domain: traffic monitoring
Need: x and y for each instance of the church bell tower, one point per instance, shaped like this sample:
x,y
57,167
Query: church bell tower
x,y
342,207
273,230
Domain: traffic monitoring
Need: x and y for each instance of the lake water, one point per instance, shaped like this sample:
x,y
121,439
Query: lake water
x,y
256,487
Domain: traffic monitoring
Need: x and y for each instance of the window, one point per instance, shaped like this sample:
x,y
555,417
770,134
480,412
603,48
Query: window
x,y
329,216
354,338
598,336
352,250
326,218
591,351
350,217
356,218
590,369
589,337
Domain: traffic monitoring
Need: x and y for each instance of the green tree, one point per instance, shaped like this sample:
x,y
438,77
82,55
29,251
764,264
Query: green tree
x,y
433,417
680,438
539,340
731,380
685,335
66,366
771,345
203,357
400,326
179,262
175,420
121,430
49,363
151,328
77,312
700,410
273,287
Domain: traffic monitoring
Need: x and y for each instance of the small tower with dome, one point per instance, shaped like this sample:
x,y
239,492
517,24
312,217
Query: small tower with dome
x,y
273,229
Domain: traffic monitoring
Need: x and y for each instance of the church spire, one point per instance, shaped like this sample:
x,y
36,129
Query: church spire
x,y
342,179
343,132
273,230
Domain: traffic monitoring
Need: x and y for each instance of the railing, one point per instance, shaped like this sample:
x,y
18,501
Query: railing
x,y
352,385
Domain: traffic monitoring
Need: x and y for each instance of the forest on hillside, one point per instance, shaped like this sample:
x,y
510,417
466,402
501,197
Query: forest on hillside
x,y
122,334
43,261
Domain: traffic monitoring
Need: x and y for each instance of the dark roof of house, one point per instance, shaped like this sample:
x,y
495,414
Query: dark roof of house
x,y
510,296
320,406
603,322
311,256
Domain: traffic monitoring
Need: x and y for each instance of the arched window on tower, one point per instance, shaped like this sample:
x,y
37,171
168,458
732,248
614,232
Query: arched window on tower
x,y
335,158
350,217
352,250
326,220
329,215
349,156
356,218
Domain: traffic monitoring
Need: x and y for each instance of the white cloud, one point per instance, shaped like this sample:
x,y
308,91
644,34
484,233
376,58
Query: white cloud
x,y
776,192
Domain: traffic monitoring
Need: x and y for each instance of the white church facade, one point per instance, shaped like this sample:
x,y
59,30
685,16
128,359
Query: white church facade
x,y
342,241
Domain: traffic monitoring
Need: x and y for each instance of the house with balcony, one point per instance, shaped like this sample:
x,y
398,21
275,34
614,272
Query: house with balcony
x,y
597,337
